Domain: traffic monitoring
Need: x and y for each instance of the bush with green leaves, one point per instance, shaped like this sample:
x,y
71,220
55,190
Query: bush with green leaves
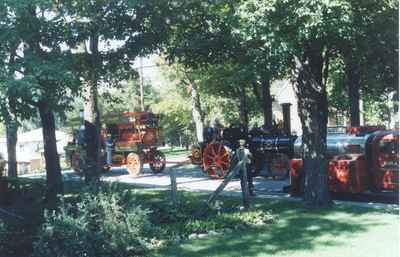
x,y
3,237
188,218
100,224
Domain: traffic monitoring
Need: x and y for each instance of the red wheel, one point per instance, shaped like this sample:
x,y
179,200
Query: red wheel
x,y
134,164
279,165
216,160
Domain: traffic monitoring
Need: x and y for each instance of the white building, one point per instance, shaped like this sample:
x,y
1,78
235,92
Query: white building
x,y
30,148
283,92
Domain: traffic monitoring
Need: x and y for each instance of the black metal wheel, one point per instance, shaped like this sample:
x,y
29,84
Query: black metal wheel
x,y
157,162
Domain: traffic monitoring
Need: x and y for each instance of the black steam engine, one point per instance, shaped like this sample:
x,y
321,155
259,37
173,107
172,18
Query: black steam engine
x,y
271,149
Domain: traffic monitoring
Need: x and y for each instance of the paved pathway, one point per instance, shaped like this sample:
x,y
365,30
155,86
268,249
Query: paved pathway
x,y
191,178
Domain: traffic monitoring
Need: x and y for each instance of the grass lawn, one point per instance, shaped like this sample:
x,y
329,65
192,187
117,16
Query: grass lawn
x,y
342,231
177,152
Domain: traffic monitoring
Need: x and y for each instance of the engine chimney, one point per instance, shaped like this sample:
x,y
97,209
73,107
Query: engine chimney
x,y
286,117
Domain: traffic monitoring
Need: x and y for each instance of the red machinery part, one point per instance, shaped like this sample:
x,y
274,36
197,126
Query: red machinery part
x,y
150,137
216,160
346,174
296,167
384,164
279,165
363,129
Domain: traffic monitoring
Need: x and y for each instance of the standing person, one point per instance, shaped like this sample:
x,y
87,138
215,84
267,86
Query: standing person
x,y
2,165
217,130
243,151
207,133
109,148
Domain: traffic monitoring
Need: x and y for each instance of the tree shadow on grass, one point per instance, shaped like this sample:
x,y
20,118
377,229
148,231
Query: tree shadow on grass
x,y
296,229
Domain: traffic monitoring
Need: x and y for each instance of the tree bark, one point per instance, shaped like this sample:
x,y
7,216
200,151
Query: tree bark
x,y
243,108
53,170
11,123
197,113
12,136
313,112
267,102
92,117
353,82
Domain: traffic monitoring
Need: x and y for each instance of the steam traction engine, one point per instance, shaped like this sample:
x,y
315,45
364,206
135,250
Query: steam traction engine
x,y
133,140
271,151
360,159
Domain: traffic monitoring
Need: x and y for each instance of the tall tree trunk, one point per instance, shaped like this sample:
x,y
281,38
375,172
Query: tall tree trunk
x,y
53,170
92,117
353,82
12,123
313,112
267,102
12,132
243,108
197,113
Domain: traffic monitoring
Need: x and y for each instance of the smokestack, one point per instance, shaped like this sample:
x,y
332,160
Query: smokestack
x,y
286,117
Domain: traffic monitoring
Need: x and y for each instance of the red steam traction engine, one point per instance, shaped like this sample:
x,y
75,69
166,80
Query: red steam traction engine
x,y
361,159
132,141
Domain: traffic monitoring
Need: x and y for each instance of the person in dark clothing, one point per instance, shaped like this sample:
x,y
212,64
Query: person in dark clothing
x,y
242,152
208,133
109,147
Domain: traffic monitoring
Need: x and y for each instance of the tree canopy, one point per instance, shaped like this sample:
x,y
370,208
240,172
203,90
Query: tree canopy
x,y
53,52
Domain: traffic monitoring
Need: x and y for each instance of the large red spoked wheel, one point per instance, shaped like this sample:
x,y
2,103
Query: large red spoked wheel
x,y
279,165
157,163
134,164
216,160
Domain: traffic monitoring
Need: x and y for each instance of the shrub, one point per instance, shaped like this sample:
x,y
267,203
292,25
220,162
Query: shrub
x,y
3,237
99,225
13,241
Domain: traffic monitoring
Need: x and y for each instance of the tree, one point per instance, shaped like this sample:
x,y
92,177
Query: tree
x,y
114,101
176,120
203,42
46,80
8,55
264,53
113,34
368,49
310,32
230,81
186,80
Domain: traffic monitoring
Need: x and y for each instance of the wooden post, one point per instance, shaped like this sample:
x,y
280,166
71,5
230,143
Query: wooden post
x,y
231,174
221,187
243,183
173,186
